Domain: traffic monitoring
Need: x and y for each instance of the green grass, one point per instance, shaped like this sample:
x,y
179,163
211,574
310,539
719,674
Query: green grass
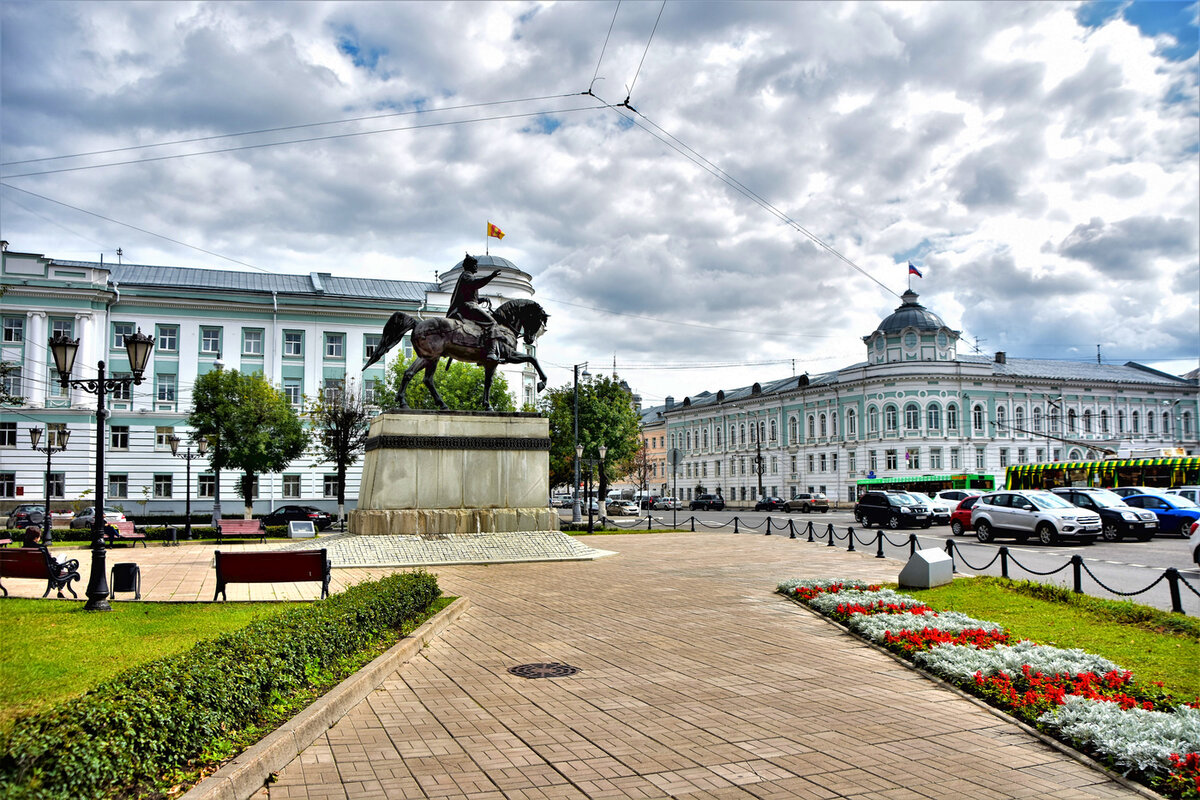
x,y
1156,645
56,650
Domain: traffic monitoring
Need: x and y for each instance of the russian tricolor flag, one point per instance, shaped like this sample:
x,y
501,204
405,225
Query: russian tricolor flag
x,y
914,271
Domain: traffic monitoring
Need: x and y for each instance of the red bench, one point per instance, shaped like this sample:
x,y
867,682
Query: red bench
x,y
37,563
241,527
124,533
272,567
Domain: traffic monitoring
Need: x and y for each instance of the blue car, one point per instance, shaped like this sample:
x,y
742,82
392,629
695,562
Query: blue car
x,y
1175,514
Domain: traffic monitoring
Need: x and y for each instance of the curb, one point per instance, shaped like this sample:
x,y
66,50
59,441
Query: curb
x,y
1046,739
248,772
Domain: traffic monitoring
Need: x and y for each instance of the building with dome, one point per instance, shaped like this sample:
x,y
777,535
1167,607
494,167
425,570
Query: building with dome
x,y
915,413
308,334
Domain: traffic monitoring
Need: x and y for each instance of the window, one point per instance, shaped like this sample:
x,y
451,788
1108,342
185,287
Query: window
x,y
791,430
774,465
977,419
1166,420
291,390
774,433
952,417
852,462
14,330
63,327
166,388
1037,419
291,487
933,418
205,485
11,381
980,458
331,486
370,343
118,487
912,417
872,461
118,437
935,458
954,458
833,461
890,459
57,486
167,340
1187,424
912,458
812,427
119,331
333,389
890,419
793,464
1019,419
1071,421
742,432
1053,414
762,432
162,486
123,393
1003,458
252,341
8,484
335,345
704,438
851,423
293,344
717,435
1087,421
822,462
811,463
1001,421
823,427
1022,456
1120,422
372,391
873,420
1149,423
54,433
162,437
8,434
210,340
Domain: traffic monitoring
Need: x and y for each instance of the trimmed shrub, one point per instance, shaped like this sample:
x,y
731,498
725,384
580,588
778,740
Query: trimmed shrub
x,y
157,716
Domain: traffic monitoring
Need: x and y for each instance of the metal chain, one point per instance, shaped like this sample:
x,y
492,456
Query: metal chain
x,y
1191,588
1106,588
1013,559
969,565
888,539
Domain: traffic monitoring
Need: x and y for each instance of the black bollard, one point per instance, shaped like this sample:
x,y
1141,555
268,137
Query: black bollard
x,y
879,544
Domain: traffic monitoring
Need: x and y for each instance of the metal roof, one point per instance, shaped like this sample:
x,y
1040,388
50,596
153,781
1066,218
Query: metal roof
x,y
1051,369
910,314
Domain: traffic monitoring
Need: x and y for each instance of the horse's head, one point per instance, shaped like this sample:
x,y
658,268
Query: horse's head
x,y
524,317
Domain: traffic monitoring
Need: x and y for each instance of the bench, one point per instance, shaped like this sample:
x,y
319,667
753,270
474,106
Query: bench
x,y
37,563
272,567
124,533
241,527
5,542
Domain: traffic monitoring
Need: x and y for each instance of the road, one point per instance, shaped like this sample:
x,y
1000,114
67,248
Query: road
x,y
1127,566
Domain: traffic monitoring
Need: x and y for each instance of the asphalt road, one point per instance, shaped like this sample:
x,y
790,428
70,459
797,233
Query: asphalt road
x,y
1127,566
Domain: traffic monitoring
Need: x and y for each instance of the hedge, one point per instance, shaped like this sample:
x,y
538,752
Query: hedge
x,y
155,717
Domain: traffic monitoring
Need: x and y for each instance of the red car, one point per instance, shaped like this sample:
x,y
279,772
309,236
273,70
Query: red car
x,y
960,518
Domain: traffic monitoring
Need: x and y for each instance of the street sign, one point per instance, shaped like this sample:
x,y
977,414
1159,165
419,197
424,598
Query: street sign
x,y
674,456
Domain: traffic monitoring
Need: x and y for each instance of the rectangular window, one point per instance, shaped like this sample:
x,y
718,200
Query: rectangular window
x,y
333,389
291,487
63,327
1003,458
118,487
205,485
811,463
119,331
372,391
935,458
1041,455
162,437
162,486
8,434
335,345
11,381
890,459
291,390
774,465
14,330
54,433
123,393
8,485
166,388
954,458
1022,456
833,465
872,461
793,463
852,461
912,458
118,437
58,485
252,341
331,486
980,454
293,344
210,340
822,462
370,342
167,340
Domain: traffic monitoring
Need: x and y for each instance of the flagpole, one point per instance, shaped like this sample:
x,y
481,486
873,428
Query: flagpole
x,y
486,243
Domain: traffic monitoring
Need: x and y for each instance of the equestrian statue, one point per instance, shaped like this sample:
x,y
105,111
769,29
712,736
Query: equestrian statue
x,y
469,332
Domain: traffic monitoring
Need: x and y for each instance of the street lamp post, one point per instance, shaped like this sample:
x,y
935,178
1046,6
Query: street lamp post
x,y
589,463
201,450
575,516
35,437
64,349
759,466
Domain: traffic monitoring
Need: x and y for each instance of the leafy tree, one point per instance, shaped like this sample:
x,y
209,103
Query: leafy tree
x,y
459,384
606,417
7,398
340,424
249,423
639,467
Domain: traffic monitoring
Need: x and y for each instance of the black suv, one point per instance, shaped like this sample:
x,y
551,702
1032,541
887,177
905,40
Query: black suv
x,y
892,510
708,502
321,520
1117,520
769,504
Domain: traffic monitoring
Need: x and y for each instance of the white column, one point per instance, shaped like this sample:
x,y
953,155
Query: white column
x,y
34,370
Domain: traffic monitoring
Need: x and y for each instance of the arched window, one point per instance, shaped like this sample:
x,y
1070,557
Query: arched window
x,y
753,434
812,427
933,418
689,440
912,417
791,430
1071,420
762,431
1019,419
1149,423
732,435
833,428
1121,421
851,423
1054,419
1187,424
889,418
704,437
1104,421
873,420
742,432
823,427
952,417
1002,422
1166,428
717,436
1137,427
1087,421
977,418
774,432
1037,419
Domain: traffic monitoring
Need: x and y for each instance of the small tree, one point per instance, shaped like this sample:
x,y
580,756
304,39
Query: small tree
x,y
459,384
7,398
340,425
606,417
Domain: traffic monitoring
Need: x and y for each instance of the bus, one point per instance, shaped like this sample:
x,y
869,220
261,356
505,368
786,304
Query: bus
x,y
929,484
1157,472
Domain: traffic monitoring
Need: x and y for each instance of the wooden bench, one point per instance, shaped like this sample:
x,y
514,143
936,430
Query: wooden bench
x,y
37,563
272,567
241,527
124,533
5,542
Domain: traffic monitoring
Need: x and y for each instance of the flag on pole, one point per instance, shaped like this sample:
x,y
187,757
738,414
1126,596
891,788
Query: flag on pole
x,y
494,232
914,271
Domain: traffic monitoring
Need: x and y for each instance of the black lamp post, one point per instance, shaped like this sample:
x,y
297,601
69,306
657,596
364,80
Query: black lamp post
x,y
64,349
575,517
201,450
759,467
589,463
35,437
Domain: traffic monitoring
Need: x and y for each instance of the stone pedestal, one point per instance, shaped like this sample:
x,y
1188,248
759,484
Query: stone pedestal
x,y
444,473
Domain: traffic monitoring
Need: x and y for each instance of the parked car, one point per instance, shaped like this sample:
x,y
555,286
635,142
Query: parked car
x,y
666,504
84,519
939,509
562,501
321,520
893,509
622,508
769,504
1194,542
707,502
956,496
960,517
1175,513
1117,518
22,516
1190,492
807,501
1025,513
1129,491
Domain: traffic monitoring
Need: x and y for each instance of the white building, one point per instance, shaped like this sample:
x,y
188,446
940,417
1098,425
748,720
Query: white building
x,y
306,333
916,412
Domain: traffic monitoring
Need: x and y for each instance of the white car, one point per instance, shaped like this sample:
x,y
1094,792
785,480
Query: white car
x,y
622,508
939,509
1194,542
956,496
1190,492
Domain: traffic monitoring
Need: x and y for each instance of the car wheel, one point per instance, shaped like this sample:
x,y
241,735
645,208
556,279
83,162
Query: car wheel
x,y
983,531
807,509
893,521
1046,533
1110,533
956,528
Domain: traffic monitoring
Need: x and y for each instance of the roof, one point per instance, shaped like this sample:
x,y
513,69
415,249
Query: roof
x,y
910,314
1052,369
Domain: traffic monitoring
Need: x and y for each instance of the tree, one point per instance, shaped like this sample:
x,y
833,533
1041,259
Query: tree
x,y
250,426
459,384
7,398
640,467
606,417
340,426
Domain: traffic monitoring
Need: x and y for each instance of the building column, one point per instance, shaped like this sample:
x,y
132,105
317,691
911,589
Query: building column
x,y
36,388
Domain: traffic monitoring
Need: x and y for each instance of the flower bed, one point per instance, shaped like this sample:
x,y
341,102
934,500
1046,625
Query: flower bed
x,y
1081,698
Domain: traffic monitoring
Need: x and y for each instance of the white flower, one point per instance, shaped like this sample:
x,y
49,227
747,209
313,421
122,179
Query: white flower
x,y
1134,738
792,584
876,626
960,663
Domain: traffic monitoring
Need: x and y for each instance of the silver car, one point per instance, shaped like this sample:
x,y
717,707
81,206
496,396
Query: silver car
x,y
1032,513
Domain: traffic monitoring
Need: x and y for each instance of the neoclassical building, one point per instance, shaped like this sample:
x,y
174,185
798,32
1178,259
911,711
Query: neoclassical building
x,y
916,412
308,334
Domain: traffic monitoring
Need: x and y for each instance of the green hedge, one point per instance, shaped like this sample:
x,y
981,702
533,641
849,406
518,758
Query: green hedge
x,y
130,730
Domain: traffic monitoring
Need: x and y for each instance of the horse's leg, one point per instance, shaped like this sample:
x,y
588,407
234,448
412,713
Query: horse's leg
x,y
489,369
528,359
401,393
430,368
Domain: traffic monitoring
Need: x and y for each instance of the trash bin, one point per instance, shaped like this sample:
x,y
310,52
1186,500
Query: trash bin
x,y
125,578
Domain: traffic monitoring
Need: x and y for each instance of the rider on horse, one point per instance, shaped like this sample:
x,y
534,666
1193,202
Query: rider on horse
x,y
465,304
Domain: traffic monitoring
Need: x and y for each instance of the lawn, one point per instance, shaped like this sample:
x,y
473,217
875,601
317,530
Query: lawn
x,y
56,650
1155,645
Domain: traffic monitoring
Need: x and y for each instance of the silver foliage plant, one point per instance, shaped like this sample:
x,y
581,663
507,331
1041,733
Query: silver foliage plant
x,y
792,584
960,663
876,626
1134,739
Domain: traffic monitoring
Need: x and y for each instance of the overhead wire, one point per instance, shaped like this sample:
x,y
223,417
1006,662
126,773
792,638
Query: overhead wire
x,y
629,88
604,47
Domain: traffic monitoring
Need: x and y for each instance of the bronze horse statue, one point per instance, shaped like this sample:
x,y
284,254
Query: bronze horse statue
x,y
441,337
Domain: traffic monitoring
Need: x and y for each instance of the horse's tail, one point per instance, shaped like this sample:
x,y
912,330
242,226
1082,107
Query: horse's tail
x,y
393,332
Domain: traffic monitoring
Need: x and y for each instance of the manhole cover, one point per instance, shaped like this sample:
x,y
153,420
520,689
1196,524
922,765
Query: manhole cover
x,y
551,670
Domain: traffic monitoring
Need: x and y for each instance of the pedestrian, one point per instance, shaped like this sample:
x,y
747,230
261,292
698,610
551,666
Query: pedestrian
x,y
33,536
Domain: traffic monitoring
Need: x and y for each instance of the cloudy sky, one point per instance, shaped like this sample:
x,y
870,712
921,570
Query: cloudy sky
x,y
736,199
